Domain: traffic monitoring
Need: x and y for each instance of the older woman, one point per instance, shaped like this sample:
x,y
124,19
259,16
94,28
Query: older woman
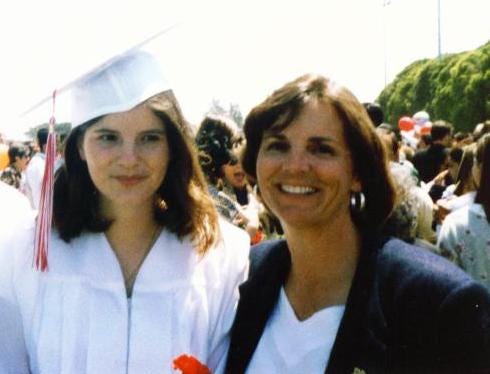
x,y
336,296
140,269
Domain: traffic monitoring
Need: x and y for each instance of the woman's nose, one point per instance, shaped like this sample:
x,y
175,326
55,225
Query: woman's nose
x,y
296,161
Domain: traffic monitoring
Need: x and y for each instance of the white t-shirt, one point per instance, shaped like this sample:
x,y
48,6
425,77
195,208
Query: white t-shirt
x,y
76,317
291,346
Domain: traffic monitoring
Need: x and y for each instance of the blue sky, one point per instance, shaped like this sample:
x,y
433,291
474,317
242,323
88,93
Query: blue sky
x,y
233,51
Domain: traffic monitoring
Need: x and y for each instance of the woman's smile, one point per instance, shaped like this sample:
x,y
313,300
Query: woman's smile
x,y
296,190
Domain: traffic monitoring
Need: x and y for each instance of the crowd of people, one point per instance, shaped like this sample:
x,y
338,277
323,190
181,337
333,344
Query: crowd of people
x,y
315,238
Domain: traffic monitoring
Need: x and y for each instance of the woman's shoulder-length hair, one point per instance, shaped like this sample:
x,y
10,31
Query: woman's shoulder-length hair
x,y
368,154
482,155
190,210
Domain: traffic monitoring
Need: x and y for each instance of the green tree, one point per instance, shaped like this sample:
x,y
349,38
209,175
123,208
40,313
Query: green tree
x,y
455,88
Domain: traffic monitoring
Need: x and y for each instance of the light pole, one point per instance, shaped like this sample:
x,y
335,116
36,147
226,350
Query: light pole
x,y
385,53
439,29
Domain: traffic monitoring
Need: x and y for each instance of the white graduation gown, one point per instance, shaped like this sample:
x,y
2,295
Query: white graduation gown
x,y
76,317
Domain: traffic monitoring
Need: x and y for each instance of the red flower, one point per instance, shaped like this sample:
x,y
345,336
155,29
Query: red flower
x,y
190,365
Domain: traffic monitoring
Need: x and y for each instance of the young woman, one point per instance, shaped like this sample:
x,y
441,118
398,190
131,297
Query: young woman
x,y
140,269
337,296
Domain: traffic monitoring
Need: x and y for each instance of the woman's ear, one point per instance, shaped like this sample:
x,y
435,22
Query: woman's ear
x,y
356,185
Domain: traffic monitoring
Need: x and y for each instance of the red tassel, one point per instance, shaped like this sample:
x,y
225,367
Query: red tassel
x,y
45,214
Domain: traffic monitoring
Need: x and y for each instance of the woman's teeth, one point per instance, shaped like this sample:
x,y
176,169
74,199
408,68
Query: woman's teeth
x,y
297,189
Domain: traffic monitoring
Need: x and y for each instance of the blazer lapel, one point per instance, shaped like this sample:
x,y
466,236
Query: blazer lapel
x,y
258,297
360,343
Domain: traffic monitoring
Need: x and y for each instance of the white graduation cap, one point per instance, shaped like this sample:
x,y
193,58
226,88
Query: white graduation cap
x,y
117,85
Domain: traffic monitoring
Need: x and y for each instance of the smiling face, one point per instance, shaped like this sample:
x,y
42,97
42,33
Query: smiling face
x,y
305,171
127,156
234,175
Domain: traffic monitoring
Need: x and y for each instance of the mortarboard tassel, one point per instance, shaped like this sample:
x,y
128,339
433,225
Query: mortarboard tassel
x,y
45,214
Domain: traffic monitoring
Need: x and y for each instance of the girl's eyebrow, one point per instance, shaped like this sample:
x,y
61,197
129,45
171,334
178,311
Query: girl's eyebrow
x,y
157,130
103,129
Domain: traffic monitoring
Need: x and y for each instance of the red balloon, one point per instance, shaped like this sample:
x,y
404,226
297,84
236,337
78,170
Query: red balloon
x,y
425,130
406,123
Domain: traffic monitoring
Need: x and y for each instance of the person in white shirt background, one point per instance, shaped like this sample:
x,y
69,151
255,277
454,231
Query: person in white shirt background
x,y
35,169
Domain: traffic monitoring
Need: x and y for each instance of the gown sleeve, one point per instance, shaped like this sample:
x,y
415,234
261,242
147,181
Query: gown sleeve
x,y
13,353
234,269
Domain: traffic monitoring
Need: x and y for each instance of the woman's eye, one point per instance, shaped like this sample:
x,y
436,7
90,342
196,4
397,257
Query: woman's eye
x,y
322,149
277,146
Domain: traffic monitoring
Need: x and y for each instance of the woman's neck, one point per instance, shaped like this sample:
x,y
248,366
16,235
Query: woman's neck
x,y
323,267
130,225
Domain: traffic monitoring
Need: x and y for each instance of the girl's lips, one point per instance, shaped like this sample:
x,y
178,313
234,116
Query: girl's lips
x,y
129,180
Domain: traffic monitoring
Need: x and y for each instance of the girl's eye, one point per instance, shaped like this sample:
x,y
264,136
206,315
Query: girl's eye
x,y
107,138
151,138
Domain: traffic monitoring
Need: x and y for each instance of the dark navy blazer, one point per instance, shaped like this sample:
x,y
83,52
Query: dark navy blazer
x,y
408,311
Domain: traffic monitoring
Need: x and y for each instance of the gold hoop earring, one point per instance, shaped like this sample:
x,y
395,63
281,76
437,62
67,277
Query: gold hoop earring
x,y
161,204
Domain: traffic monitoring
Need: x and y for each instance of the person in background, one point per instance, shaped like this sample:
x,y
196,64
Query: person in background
x,y
446,178
392,141
15,209
460,139
237,187
464,189
217,139
412,216
375,113
18,159
465,233
336,295
35,169
481,129
141,270
431,161
4,148
424,142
